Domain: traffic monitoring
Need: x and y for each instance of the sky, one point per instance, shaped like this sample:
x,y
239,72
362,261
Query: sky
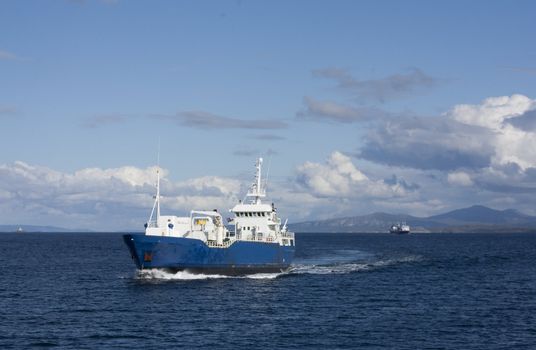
x,y
414,107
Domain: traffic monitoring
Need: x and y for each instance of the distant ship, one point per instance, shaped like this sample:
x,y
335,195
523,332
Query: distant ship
x,y
400,228
200,243
19,230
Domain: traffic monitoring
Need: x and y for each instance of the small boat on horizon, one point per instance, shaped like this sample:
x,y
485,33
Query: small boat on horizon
x,y
400,228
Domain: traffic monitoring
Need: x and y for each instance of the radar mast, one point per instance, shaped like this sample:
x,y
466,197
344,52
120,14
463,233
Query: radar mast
x,y
256,190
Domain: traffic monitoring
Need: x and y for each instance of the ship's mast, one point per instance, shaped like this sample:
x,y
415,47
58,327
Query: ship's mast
x,y
157,194
156,204
158,184
256,191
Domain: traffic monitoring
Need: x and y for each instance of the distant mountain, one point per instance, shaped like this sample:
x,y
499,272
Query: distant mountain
x,y
479,214
34,228
477,218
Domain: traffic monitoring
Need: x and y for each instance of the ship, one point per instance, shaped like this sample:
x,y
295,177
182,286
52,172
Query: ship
x,y
253,241
400,228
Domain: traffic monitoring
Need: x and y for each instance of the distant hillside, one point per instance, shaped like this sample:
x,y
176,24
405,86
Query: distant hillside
x,y
34,228
473,219
479,214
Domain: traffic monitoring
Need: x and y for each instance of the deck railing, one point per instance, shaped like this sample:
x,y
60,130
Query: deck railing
x,y
250,237
214,244
287,235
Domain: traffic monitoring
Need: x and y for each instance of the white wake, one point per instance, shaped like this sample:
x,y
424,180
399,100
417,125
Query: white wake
x,y
349,267
341,262
165,275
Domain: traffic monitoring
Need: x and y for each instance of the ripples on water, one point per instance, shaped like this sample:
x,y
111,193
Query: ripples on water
x,y
343,291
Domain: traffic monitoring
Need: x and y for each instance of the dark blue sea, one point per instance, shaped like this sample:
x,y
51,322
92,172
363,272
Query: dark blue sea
x,y
346,291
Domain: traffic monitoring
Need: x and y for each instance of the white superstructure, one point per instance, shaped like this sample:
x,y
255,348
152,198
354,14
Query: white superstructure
x,y
252,220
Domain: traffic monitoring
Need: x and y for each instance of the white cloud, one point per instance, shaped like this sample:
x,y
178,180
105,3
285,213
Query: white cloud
x,y
468,136
482,150
492,112
102,199
338,177
129,175
511,144
459,178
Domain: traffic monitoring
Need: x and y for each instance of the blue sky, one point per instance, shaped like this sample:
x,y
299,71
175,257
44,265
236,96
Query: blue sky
x,y
361,106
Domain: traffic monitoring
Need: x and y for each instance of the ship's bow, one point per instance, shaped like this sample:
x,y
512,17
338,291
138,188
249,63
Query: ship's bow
x,y
130,241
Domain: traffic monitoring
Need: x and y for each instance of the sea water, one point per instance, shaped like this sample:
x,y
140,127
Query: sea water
x,y
344,291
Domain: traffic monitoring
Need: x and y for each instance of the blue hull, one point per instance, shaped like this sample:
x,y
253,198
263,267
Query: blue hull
x,y
177,253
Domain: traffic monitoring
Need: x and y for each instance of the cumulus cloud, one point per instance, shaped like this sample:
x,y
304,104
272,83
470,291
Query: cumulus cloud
x,y
428,143
382,89
338,177
507,179
95,198
510,143
492,112
398,181
460,178
332,111
467,136
205,120
471,151
526,121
